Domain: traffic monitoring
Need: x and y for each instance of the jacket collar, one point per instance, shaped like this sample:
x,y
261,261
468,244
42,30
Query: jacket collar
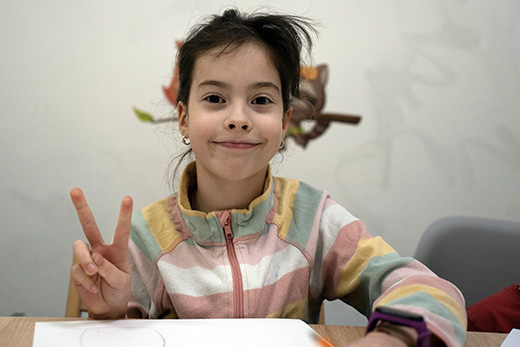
x,y
206,228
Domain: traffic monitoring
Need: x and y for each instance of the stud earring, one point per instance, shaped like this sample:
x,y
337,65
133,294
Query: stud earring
x,y
185,140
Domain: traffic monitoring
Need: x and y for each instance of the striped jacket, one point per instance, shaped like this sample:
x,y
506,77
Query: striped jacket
x,y
291,249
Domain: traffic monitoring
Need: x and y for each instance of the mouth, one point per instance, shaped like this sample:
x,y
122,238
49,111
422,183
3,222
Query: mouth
x,y
237,144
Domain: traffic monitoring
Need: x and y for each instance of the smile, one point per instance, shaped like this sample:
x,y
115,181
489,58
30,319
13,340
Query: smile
x,y
237,145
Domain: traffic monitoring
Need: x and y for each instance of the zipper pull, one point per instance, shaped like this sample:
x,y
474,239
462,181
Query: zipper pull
x,y
227,229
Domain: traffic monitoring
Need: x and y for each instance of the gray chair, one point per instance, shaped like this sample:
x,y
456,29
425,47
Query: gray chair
x,y
480,256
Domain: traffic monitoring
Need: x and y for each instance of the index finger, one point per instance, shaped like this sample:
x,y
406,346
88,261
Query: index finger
x,y
86,218
124,223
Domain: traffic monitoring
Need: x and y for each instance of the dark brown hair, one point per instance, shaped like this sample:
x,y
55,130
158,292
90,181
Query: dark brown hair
x,y
284,36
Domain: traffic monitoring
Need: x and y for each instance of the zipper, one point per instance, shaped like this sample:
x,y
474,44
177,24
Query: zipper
x,y
238,295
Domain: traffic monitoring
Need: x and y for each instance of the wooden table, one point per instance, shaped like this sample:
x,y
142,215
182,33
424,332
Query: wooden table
x,y
19,332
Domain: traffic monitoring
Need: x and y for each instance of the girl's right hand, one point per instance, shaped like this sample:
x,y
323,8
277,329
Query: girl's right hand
x,y
103,275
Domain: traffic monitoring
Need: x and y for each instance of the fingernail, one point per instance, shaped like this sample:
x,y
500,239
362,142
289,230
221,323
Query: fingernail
x,y
97,259
91,267
94,288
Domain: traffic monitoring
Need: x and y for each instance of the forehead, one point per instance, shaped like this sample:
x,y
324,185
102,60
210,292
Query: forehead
x,y
250,60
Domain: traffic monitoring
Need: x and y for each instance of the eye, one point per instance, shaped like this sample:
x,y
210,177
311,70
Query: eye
x,y
261,100
214,99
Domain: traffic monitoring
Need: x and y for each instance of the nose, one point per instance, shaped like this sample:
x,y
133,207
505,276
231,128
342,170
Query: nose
x,y
238,119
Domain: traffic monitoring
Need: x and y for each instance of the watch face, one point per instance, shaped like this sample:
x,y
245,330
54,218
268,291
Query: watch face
x,y
399,313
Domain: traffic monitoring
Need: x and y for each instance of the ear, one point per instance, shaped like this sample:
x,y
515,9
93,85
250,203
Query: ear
x,y
286,120
183,119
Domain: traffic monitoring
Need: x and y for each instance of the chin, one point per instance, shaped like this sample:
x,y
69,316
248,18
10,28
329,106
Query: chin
x,y
238,172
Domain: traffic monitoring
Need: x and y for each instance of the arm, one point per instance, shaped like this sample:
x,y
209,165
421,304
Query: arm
x,y
149,297
365,272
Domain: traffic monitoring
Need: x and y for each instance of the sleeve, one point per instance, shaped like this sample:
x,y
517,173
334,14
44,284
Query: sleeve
x,y
141,303
365,272
148,297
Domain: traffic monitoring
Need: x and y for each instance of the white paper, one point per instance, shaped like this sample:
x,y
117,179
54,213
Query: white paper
x,y
512,339
176,333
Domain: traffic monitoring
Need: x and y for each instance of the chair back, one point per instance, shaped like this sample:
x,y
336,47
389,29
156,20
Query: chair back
x,y
480,256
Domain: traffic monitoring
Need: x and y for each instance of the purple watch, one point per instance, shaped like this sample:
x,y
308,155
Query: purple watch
x,y
405,318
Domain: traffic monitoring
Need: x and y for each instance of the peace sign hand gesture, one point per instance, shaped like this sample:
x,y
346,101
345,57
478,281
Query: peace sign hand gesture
x,y
103,275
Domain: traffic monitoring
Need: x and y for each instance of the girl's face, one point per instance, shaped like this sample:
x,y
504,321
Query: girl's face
x,y
234,118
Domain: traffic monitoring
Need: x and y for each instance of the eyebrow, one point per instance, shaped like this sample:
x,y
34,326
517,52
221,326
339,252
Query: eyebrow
x,y
266,85
215,83
224,85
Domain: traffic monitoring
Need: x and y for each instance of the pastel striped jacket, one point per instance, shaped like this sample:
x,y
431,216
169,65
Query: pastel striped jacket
x,y
291,249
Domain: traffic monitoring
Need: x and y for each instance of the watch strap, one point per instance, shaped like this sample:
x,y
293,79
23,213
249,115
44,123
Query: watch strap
x,y
378,317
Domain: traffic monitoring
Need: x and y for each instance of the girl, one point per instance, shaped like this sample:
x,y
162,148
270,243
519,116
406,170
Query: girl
x,y
235,241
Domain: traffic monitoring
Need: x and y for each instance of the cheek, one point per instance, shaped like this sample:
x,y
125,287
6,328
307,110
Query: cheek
x,y
276,128
196,130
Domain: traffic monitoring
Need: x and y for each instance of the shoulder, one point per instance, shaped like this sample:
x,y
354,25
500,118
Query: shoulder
x,y
300,199
296,193
295,199
149,214
154,228
303,210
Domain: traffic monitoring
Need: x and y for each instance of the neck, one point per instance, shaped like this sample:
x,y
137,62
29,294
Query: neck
x,y
221,194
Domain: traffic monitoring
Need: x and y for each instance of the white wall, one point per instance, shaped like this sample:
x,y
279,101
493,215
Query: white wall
x,y
436,81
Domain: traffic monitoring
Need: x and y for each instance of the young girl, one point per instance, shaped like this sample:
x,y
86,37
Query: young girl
x,y
235,241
